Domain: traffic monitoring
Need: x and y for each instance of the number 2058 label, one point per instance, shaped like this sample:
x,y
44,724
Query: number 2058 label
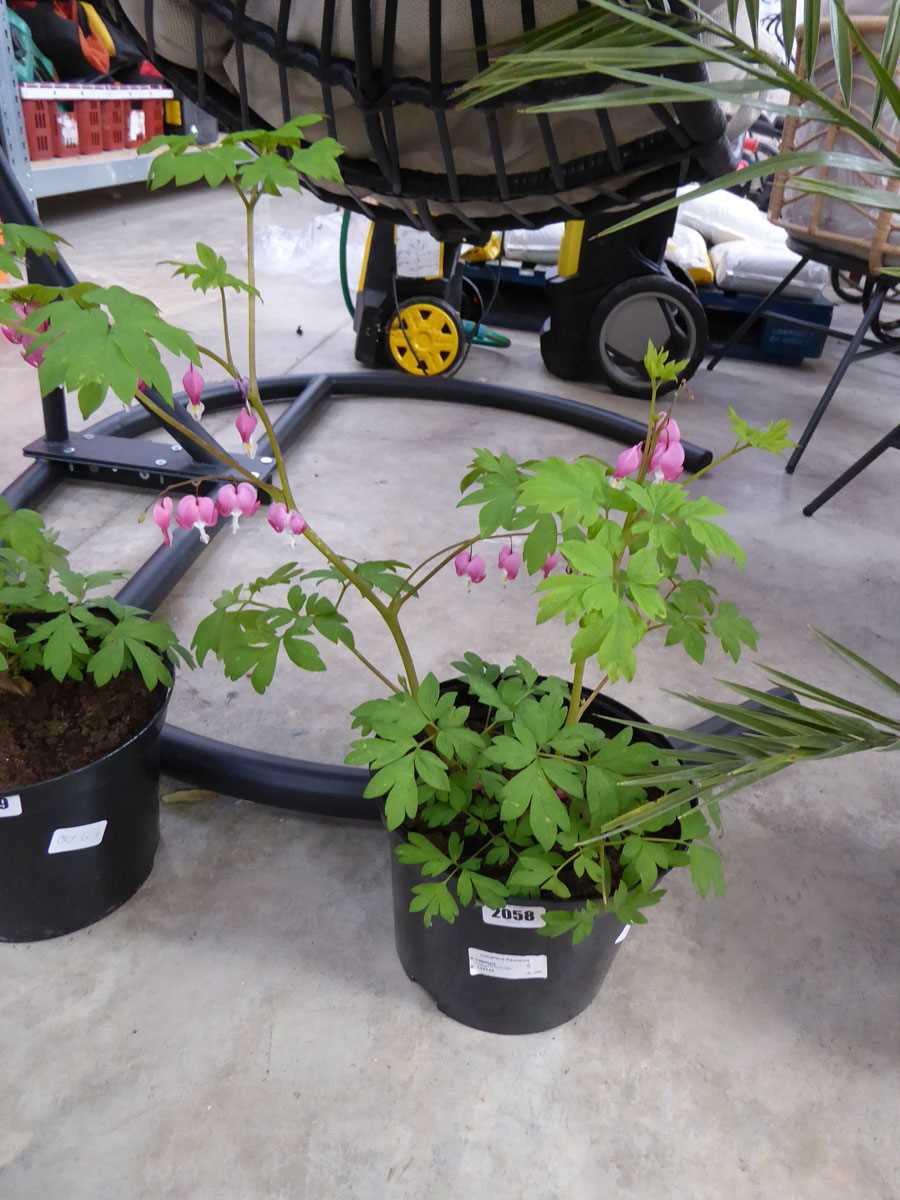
x,y
517,916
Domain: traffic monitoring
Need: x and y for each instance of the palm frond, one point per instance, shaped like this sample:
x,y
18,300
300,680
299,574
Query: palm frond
x,y
766,734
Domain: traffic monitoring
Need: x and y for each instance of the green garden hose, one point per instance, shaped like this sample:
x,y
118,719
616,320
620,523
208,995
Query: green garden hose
x,y
482,337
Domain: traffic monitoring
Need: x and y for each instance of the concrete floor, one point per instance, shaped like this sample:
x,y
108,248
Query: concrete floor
x,y
242,1030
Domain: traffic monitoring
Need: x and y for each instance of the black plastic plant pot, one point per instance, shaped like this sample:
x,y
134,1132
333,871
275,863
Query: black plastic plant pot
x,y
491,969
75,848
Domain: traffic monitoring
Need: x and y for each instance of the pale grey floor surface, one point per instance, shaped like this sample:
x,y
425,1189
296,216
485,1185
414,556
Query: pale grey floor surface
x,y
242,1030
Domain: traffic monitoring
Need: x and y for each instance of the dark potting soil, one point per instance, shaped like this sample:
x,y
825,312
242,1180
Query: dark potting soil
x,y
59,727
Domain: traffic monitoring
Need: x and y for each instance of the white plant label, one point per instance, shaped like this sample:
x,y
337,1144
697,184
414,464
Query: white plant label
x,y
77,837
623,935
514,916
10,806
507,966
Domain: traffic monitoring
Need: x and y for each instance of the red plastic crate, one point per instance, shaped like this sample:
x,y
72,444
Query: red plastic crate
x,y
114,124
153,121
40,125
66,124
90,134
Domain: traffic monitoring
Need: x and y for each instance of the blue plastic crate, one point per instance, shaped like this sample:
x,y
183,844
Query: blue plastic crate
x,y
769,338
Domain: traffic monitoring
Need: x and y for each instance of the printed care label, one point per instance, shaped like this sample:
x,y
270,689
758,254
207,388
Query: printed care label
x,y
10,806
77,837
507,966
516,916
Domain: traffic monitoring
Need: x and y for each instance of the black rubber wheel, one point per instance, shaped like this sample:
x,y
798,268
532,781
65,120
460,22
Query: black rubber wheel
x,y
654,308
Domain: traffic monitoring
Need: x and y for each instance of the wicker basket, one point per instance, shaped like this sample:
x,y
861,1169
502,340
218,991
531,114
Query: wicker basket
x,y
869,235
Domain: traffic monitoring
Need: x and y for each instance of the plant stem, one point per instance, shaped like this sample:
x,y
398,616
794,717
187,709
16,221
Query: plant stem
x,y
401,598
251,295
592,697
222,455
371,666
380,607
217,358
575,698
717,462
225,332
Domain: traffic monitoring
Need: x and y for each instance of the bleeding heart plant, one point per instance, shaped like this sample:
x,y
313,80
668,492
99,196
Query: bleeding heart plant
x,y
503,782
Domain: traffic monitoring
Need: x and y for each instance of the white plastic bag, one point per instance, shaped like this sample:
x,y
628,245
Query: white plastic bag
x,y
724,217
756,267
300,236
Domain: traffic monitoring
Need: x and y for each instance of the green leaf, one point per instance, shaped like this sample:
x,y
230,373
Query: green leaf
x,y
616,656
489,891
431,770
510,752
706,869
108,661
530,871
840,48
428,695
602,794
302,653
398,781
773,439
627,905
540,543
498,496
417,850
731,628
694,825
547,814
572,490
434,900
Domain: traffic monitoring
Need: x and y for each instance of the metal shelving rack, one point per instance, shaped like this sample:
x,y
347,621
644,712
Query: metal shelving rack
x,y
62,176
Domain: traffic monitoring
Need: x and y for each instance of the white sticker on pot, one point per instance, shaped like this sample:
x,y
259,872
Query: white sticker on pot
x,y
507,966
623,935
77,837
10,806
514,916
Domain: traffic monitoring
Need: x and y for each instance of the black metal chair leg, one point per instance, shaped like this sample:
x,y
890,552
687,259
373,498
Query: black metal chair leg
x,y
890,440
849,354
748,320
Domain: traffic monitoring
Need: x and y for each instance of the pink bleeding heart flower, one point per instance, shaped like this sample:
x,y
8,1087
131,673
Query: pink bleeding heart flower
x,y
13,335
550,562
278,516
296,525
668,430
667,462
162,515
461,562
237,502
196,512
245,423
193,383
476,569
628,461
34,358
509,561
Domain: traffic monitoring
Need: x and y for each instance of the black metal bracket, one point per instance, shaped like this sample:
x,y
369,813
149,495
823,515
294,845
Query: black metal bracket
x,y
113,459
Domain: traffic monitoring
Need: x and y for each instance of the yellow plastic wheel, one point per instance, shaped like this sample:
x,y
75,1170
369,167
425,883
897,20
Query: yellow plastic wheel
x,y
425,338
